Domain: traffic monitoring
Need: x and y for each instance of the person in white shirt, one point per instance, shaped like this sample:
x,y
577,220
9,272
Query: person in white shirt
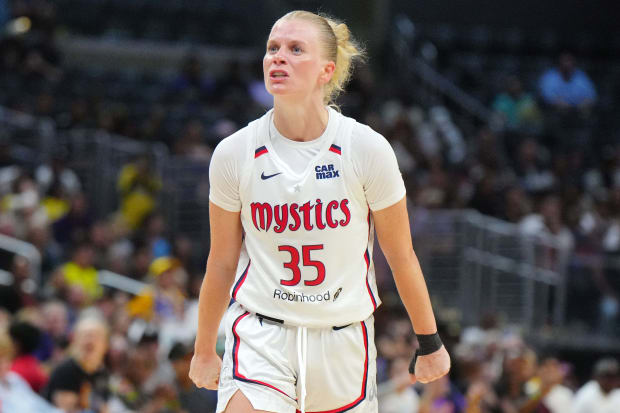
x,y
16,395
602,393
398,395
295,198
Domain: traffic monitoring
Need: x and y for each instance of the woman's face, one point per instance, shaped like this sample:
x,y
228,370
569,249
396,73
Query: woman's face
x,y
91,342
294,63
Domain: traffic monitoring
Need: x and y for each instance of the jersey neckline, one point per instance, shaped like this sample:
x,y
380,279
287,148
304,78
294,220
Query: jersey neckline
x,y
324,141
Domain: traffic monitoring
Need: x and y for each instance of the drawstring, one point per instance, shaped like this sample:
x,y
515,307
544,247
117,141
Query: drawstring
x,y
302,353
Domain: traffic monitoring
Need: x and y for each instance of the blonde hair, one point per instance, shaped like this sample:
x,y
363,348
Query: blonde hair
x,y
338,46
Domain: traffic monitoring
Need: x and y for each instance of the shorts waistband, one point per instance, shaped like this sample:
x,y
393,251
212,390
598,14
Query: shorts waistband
x,y
263,317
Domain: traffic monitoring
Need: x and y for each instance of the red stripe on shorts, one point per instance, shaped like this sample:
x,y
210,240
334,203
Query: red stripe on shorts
x,y
236,374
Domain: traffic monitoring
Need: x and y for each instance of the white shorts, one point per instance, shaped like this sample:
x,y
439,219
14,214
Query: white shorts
x,y
261,360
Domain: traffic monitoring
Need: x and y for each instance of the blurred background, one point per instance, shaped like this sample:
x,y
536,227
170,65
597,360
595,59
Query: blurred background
x,y
504,117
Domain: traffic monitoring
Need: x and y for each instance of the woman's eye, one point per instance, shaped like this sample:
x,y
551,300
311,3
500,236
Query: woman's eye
x,y
296,49
272,49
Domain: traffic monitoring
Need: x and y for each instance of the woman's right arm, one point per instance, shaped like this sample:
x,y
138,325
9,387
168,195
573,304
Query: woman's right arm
x,y
226,237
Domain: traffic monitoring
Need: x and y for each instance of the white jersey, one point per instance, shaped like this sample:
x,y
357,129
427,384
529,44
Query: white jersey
x,y
306,256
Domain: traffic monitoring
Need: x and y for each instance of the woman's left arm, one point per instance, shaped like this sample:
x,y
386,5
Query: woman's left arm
x,y
392,226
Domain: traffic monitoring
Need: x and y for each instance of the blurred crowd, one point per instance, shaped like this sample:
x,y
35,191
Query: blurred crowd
x,y
493,370
70,342
539,164
65,336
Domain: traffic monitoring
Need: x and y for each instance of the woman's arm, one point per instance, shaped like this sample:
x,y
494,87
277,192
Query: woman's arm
x,y
392,226
226,235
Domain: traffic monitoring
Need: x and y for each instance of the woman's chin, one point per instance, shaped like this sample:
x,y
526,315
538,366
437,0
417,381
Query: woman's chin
x,y
278,90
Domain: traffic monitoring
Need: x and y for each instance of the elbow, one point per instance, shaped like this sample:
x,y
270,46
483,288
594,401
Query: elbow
x,y
215,267
402,260
221,265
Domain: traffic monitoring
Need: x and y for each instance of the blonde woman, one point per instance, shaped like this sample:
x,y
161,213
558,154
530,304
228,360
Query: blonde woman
x,y
295,199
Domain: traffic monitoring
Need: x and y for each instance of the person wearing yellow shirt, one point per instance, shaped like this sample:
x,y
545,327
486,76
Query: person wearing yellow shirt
x,y
163,299
138,186
78,279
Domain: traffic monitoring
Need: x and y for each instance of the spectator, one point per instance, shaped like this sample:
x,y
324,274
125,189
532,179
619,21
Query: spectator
x,y
602,393
566,86
73,227
517,107
79,382
183,250
191,84
15,393
140,262
546,392
138,186
54,331
192,143
19,293
165,302
486,198
22,204
452,137
26,338
40,236
549,222
517,370
397,395
155,235
438,397
480,398
531,167
560,397
516,204
190,398
56,173
78,280
146,382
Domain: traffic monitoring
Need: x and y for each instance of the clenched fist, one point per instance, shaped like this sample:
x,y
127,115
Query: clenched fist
x,y
205,371
432,366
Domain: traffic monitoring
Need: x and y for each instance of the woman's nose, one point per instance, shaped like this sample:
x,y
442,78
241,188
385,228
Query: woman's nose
x,y
278,58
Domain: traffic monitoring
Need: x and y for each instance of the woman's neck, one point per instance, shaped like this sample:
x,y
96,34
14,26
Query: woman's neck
x,y
300,121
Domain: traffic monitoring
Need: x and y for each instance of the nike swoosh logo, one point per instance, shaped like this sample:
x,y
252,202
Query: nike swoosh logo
x,y
263,176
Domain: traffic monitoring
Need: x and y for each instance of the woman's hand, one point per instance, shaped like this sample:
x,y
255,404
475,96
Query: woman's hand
x,y
431,366
205,371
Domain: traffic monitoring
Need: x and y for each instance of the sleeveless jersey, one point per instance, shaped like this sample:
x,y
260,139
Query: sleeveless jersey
x,y
306,256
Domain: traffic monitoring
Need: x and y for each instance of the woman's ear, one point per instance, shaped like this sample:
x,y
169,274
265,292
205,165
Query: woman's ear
x,y
327,73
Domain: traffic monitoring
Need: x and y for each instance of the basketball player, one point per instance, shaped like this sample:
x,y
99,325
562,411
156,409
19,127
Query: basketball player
x,y
295,199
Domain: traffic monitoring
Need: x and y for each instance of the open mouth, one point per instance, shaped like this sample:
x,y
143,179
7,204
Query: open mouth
x,y
278,74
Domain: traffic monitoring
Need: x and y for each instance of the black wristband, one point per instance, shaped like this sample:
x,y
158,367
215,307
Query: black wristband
x,y
429,343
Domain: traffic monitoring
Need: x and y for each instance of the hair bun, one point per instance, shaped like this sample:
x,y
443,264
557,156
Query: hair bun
x,y
342,33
